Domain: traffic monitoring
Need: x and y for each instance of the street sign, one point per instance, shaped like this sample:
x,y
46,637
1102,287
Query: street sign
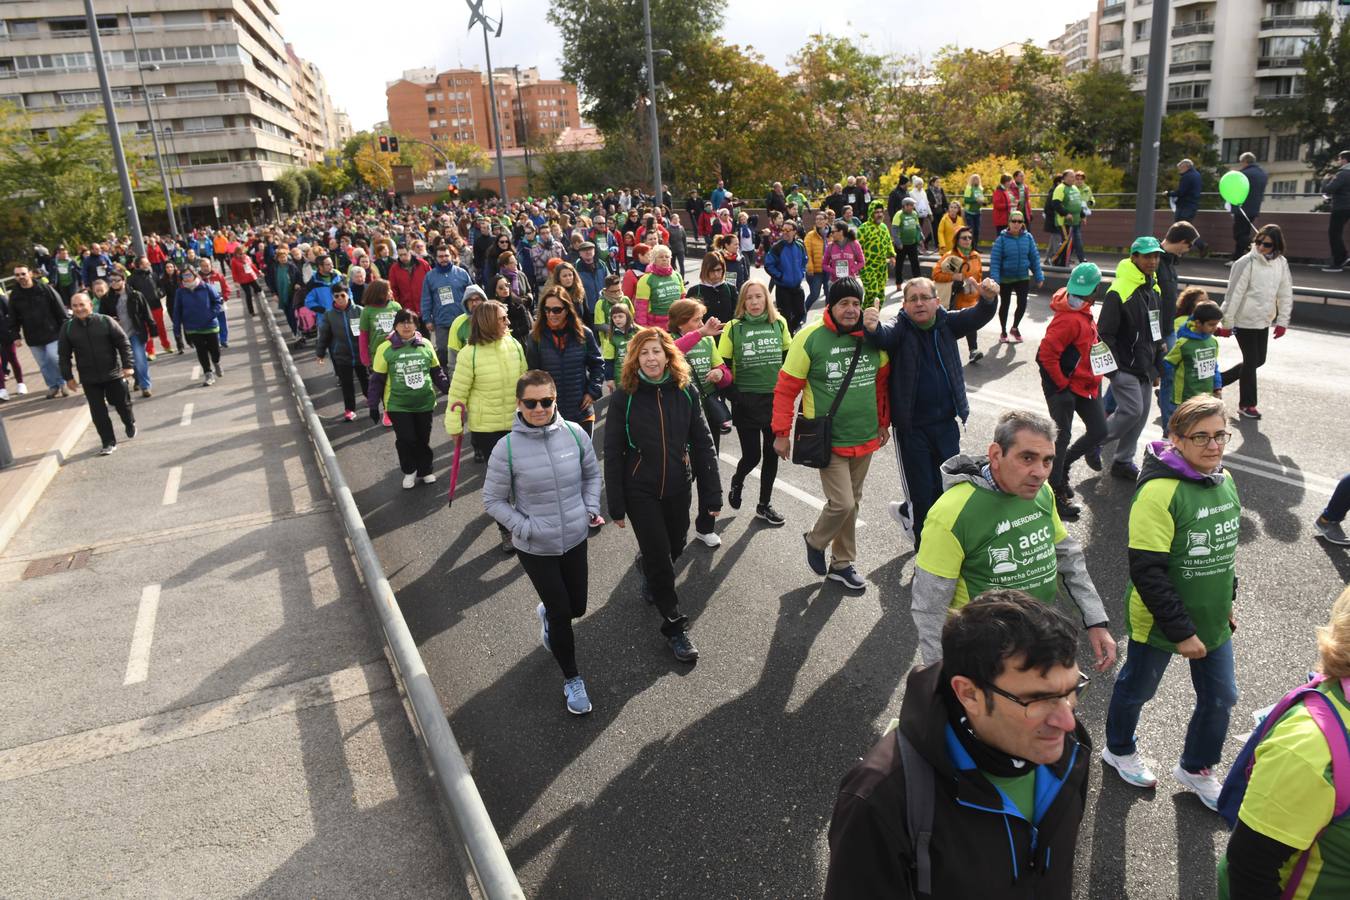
x,y
454,170
454,179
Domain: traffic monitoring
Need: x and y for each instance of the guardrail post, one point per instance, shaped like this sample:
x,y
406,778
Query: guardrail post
x,y
6,455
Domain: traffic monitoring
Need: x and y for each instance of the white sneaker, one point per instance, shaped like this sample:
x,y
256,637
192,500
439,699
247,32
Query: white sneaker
x,y
1205,784
429,479
409,481
4,395
1131,769
710,539
900,513
23,389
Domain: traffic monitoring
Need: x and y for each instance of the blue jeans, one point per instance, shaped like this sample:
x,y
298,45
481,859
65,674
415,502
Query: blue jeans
x,y
1339,504
815,283
1078,243
140,362
1215,695
224,328
973,223
49,362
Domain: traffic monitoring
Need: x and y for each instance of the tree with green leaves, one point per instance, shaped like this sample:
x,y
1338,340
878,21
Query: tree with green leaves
x,y
1321,114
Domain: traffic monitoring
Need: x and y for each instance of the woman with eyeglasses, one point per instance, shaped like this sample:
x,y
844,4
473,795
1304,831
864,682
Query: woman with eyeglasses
x,y
404,376
1183,538
1260,291
655,436
485,377
566,349
493,261
713,290
543,488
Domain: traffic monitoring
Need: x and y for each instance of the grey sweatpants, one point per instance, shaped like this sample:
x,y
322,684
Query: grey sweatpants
x,y
1134,399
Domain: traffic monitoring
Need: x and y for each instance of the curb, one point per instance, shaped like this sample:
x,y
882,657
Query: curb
x,y
36,482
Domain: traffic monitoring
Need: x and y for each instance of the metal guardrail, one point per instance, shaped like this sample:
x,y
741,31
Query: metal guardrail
x,y
491,868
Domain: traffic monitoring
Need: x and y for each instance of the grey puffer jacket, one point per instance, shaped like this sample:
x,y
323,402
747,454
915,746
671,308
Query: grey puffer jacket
x,y
531,486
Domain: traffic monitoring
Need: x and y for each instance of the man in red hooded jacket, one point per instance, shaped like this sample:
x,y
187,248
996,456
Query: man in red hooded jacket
x,y
1073,360
406,277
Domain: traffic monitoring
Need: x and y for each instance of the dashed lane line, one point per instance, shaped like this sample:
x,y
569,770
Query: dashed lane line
x,y
171,486
138,660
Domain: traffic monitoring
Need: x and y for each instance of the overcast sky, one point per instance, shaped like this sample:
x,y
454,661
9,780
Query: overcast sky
x,y
360,53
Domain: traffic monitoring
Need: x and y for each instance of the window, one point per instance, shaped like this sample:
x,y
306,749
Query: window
x,y
1235,147
1110,65
1287,148
1139,64
1283,47
77,25
1312,186
1283,189
1183,53
1188,90
203,123
1283,86
197,89
23,29
208,158
1142,29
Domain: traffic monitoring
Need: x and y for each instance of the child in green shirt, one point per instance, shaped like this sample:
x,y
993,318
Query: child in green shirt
x,y
1192,366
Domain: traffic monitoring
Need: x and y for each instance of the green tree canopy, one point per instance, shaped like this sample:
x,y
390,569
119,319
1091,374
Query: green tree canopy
x,y
1321,114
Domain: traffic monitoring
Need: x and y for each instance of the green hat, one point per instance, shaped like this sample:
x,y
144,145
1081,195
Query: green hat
x,y
1084,278
1146,244
875,205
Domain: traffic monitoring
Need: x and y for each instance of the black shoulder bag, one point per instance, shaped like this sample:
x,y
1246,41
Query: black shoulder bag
x,y
811,441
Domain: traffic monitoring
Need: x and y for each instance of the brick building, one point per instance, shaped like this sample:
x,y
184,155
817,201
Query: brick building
x,y
454,105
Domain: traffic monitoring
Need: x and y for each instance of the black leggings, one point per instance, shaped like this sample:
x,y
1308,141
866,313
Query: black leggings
x,y
661,527
345,375
906,252
484,442
207,346
1005,294
412,440
704,521
1253,343
560,582
757,450
251,291
1062,406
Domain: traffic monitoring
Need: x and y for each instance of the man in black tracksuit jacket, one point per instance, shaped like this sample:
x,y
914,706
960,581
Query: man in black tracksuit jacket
x,y
102,353
1009,789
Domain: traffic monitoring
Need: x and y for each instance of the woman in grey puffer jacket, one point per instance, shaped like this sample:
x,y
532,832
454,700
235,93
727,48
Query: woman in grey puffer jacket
x,y
531,489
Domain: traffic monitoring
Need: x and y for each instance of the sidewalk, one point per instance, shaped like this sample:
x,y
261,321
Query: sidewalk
x,y
196,697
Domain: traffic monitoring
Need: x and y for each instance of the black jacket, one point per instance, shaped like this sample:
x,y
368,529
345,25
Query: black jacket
x,y
656,440
1168,289
577,369
978,850
99,346
1337,187
37,312
1123,325
7,331
142,320
336,338
720,301
144,283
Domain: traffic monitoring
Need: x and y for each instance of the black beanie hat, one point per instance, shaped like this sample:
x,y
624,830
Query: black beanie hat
x,y
849,286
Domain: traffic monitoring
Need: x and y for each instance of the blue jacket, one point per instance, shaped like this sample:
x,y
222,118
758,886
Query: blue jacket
x,y
902,342
594,283
786,263
1187,194
1256,177
196,309
577,368
91,266
436,310
1012,258
319,292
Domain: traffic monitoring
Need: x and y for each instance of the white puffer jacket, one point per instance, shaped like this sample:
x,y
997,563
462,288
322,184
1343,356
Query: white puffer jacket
x,y
1260,291
543,485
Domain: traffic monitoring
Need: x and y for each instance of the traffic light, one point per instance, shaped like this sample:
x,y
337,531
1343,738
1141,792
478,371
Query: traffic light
x,y
384,143
393,145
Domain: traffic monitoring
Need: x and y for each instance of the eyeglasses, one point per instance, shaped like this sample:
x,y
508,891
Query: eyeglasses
x,y
545,402
925,298
554,310
1041,707
1266,243
1202,438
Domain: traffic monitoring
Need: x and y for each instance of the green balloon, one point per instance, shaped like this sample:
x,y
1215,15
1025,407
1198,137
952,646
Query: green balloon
x,y
1234,187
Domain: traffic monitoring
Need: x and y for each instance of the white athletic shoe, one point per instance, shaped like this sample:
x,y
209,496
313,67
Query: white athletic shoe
x,y
1205,784
711,539
23,388
1130,768
900,513
4,395
409,481
429,479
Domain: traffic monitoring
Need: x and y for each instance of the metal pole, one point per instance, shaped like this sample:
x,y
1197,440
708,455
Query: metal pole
x,y
651,102
154,128
178,176
1147,194
496,125
487,858
525,135
114,135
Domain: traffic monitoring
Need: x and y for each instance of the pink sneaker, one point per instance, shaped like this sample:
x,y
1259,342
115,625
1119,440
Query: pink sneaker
x,y
349,416
385,421
597,521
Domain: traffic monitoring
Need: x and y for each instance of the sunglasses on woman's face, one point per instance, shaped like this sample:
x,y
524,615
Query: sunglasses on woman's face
x,y
1270,244
545,402
554,310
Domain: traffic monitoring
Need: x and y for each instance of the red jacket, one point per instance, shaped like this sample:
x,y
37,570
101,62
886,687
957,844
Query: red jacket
x,y
219,281
406,286
243,270
1003,203
1067,345
155,253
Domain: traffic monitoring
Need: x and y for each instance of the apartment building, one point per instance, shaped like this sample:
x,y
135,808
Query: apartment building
x,y
218,73
455,105
313,108
1077,46
1227,60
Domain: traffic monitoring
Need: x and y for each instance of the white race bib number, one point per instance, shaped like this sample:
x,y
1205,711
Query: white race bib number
x,y
356,327
1205,368
1154,327
1103,362
841,268
100,270
445,295
415,379
385,322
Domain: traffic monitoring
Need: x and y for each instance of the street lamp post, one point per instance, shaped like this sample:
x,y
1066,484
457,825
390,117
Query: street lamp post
x,y
477,17
178,174
154,129
525,134
114,135
651,102
1153,114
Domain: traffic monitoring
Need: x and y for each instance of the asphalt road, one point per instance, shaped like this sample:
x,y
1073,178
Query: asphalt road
x,y
717,780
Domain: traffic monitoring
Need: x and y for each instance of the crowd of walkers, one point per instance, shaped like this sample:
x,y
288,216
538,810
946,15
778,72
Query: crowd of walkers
x,y
542,320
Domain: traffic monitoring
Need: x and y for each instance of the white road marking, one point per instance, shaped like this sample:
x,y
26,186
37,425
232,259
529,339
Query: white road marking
x,y
779,484
187,415
196,372
138,661
171,486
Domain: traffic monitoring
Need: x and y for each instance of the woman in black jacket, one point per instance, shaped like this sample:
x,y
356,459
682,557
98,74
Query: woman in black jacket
x,y
521,320
566,349
713,290
656,437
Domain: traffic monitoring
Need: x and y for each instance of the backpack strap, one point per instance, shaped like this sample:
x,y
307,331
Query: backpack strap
x,y
920,793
